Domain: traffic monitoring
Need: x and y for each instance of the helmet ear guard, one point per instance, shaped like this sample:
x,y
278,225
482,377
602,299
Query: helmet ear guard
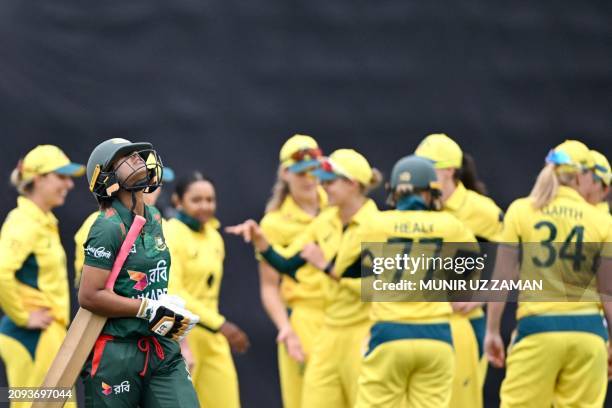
x,y
103,184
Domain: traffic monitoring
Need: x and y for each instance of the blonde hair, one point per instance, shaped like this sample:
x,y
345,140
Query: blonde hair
x,y
375,181
547,184
22,187
280,191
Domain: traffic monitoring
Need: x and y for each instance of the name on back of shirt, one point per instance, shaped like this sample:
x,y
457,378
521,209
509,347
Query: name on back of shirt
x,y
413,227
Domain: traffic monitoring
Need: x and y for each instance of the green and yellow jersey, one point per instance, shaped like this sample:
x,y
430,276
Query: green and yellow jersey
x,y
479,213
481,216
145,272
281,227
567,219
33,272
342,245
197,253
343,304
427,230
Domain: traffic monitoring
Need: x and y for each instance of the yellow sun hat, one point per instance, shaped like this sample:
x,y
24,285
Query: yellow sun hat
x,y
346,163
443,151
45,159
571,156
300,153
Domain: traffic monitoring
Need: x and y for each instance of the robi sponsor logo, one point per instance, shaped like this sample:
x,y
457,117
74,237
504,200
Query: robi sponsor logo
x,y
154,275
98,253
141,280
117,389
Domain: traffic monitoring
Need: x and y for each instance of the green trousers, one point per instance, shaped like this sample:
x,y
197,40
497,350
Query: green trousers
x,y
137,372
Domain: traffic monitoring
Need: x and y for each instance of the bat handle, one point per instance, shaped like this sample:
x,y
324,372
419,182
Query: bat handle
x,y
124,251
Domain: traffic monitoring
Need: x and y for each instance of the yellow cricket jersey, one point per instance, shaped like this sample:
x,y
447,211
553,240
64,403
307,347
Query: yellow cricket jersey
x,y
197,266
281,227
430,229
568,218
79,240
479,213
343,303
33,272
341,300
481,216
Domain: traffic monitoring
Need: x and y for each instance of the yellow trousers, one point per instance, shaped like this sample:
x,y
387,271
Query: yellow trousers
x,y
213,374
470,362
306,322
407,366
333,369
28,354
556,368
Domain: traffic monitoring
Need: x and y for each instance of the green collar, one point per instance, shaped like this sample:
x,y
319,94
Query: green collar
x,y
189,221
125,214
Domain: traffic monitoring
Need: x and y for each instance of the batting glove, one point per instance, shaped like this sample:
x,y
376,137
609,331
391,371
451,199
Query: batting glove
x,y
167,316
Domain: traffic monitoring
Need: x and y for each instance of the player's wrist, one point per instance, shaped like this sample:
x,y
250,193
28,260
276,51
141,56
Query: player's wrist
x,y
261,245
145,310
285,328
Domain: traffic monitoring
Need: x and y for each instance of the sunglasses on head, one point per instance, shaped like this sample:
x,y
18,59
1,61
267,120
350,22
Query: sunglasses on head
x,y
327,166
307,154
600,173
558,158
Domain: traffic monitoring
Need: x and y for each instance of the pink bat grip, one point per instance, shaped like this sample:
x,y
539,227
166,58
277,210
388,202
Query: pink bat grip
x,y
124,251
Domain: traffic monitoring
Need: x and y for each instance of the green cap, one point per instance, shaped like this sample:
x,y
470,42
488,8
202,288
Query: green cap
x,y
413,172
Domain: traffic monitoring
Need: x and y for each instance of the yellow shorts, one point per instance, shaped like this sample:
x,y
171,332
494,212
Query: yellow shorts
x,y
28,354
333,369
213,374
306,322
407,365
560,360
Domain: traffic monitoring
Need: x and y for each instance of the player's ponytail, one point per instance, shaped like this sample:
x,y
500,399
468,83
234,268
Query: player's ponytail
x,y
16,179
468,175
547,184
545,187
280,191
375,181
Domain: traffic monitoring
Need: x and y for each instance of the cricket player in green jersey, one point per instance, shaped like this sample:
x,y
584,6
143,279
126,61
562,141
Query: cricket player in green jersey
x,y
136,361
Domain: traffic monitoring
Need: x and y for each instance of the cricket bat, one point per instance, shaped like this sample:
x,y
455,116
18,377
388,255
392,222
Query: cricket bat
x,y
84,330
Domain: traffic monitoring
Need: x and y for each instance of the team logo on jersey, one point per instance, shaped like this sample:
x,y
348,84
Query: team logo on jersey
x,y
160,245
141,280
133,250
